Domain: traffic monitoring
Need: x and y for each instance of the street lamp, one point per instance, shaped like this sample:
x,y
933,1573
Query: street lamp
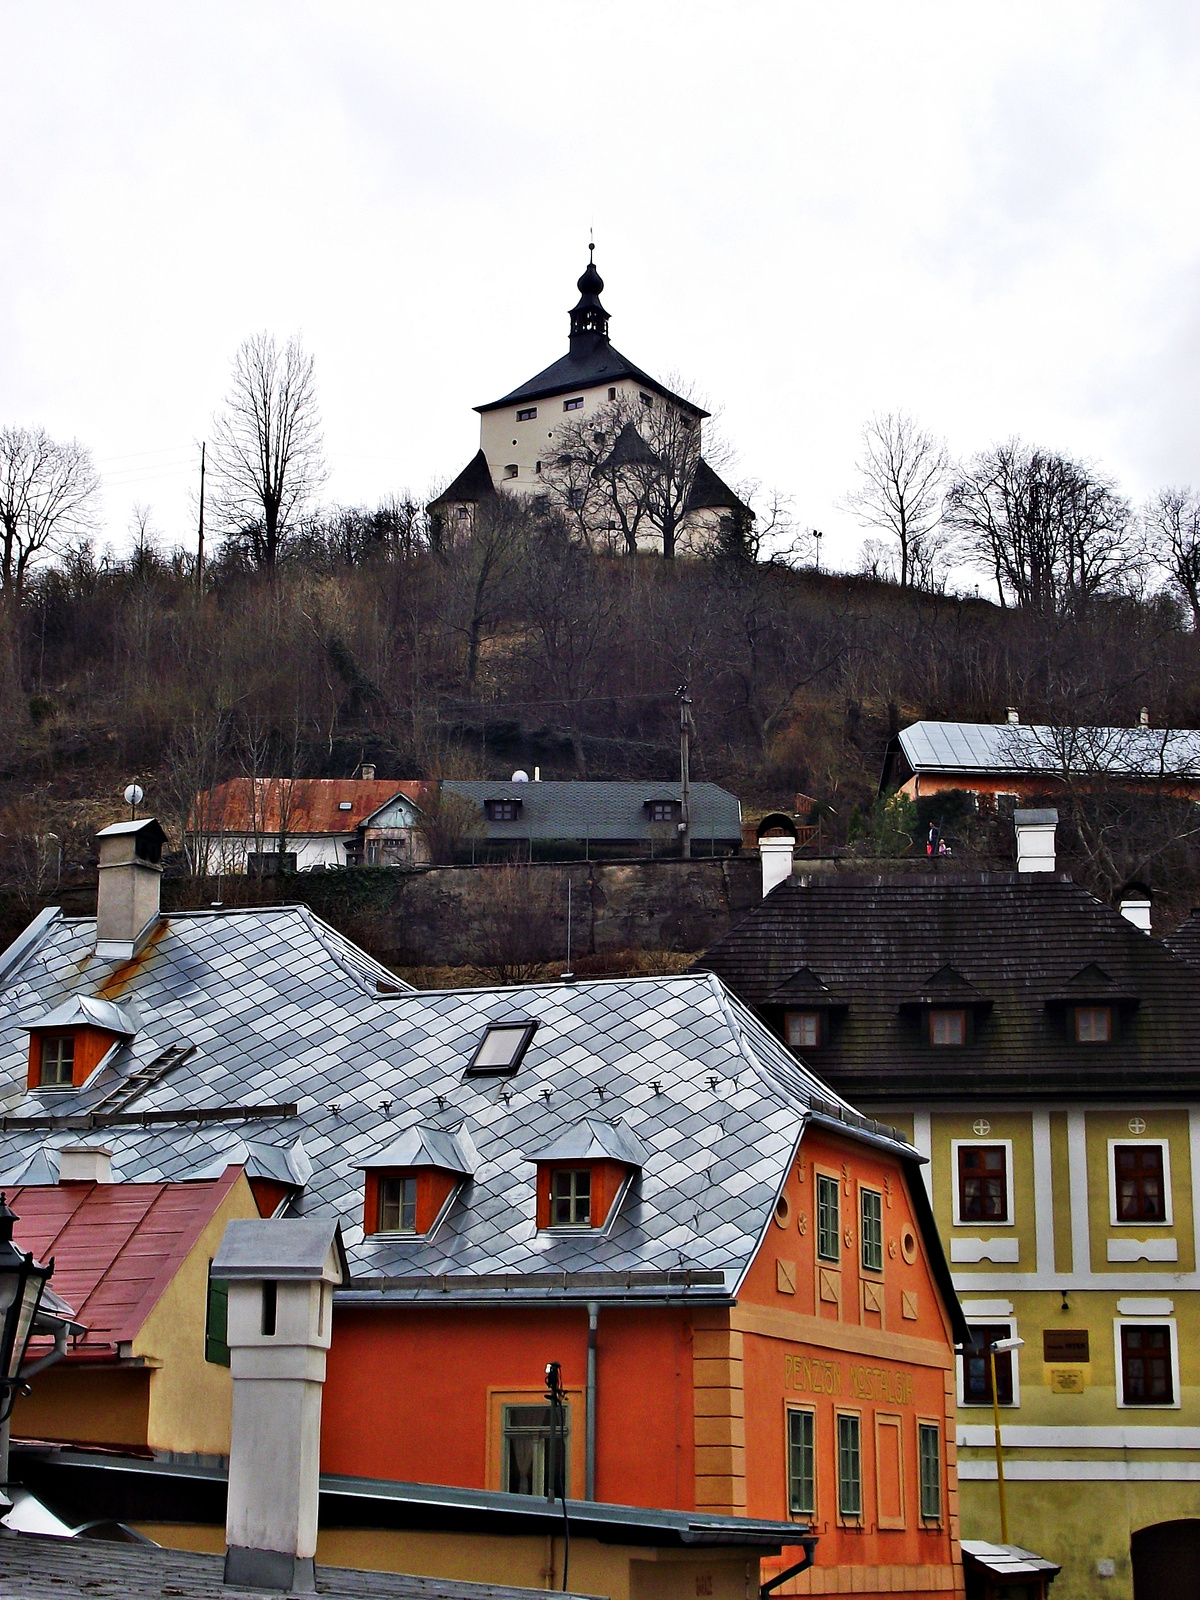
x,y
1000,1346
21,1283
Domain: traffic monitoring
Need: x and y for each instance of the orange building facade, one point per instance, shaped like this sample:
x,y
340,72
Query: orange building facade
x,y
825,1393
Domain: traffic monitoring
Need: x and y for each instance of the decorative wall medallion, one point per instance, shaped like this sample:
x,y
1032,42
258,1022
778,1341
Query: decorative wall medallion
x,y
981,1126
892,1248
1137,1124
802,1222
849,1238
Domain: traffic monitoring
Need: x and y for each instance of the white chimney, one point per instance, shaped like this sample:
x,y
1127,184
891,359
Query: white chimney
x,y
1144,716
368,771
1135,906
281,1276
776,857
127,903
85,1163
1035,840
1013,714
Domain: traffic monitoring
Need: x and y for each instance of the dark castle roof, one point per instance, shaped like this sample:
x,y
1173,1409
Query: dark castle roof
x,y
711,493
601,364
1016,950
474,483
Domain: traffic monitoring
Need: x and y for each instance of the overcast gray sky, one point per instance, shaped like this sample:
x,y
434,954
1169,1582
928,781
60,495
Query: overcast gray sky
x,y
989,215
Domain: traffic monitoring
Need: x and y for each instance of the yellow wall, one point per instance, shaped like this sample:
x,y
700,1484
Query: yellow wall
x,y
86,1405
191,1398
622,1572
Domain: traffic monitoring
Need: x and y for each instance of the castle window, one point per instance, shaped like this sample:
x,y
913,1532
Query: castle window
x,y
527,414
58,1061
575,499
537,466
646,399
573,405
462,512
1093,1024
612,394
511,470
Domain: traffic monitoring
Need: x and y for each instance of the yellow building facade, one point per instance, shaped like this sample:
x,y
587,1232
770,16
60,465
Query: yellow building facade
x,y
1101,1405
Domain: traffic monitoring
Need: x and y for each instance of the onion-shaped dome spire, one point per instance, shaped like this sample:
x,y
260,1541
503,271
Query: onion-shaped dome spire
x,y
589,320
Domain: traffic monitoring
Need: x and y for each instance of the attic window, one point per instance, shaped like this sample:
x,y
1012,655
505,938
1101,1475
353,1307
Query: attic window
x,y
345,805
573,405
803,1030
405,1201
502,810
526,413
1093,1024
499,1053
58,1062
571,1197
646,400
397,1211
947,1027
663,810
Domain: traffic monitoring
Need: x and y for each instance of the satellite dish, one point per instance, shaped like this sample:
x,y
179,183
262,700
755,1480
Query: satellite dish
x,y
134,795
520,777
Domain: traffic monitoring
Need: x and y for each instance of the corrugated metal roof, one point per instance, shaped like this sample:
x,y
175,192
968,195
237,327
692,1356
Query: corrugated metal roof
x,y
600,811
116,1246
1031,748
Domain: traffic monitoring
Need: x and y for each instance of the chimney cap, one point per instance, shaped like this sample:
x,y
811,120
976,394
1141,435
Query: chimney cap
x,y
1046,817
1012,714
291,1248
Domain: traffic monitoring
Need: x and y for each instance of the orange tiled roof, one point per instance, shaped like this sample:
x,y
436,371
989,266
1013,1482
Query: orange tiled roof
x,y
312,805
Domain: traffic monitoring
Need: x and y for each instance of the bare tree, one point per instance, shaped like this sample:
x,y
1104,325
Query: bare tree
x,y
47,498
1053,532
483,568
903,471
266,447
1172,521
519,928
625,473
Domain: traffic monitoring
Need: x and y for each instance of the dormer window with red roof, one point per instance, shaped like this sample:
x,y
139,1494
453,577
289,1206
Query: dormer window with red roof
x,y
582,1175
69,1043
410,1183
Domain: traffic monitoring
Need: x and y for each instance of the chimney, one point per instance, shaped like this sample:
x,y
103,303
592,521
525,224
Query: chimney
x,y
1144,717
1013,714
368,771
127,906
776,857
281,1276
1035,840
85,1163
1135,905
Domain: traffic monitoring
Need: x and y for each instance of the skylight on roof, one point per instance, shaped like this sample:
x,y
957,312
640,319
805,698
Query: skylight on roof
x,y
499,1052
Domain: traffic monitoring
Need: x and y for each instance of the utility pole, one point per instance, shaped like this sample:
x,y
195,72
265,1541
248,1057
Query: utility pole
x,y
200,536
685,772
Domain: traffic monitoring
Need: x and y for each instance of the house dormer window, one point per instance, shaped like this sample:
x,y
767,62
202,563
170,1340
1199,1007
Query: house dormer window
x,y
803,1030
663,810
571,1197
1093,1024
397,1208
58,1061
498,1054
502,810
947,1027
582,1174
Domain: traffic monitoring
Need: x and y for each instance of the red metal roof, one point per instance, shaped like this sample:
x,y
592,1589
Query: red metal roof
x,y
311,805
116,1246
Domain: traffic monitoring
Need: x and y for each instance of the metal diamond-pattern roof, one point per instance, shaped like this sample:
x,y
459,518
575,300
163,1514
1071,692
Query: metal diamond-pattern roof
x,y
282,1012
1000,747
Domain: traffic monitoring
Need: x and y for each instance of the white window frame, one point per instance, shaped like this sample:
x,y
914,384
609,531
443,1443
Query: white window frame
x,y
982,1222
1145,1322
960,1371
1165,1146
